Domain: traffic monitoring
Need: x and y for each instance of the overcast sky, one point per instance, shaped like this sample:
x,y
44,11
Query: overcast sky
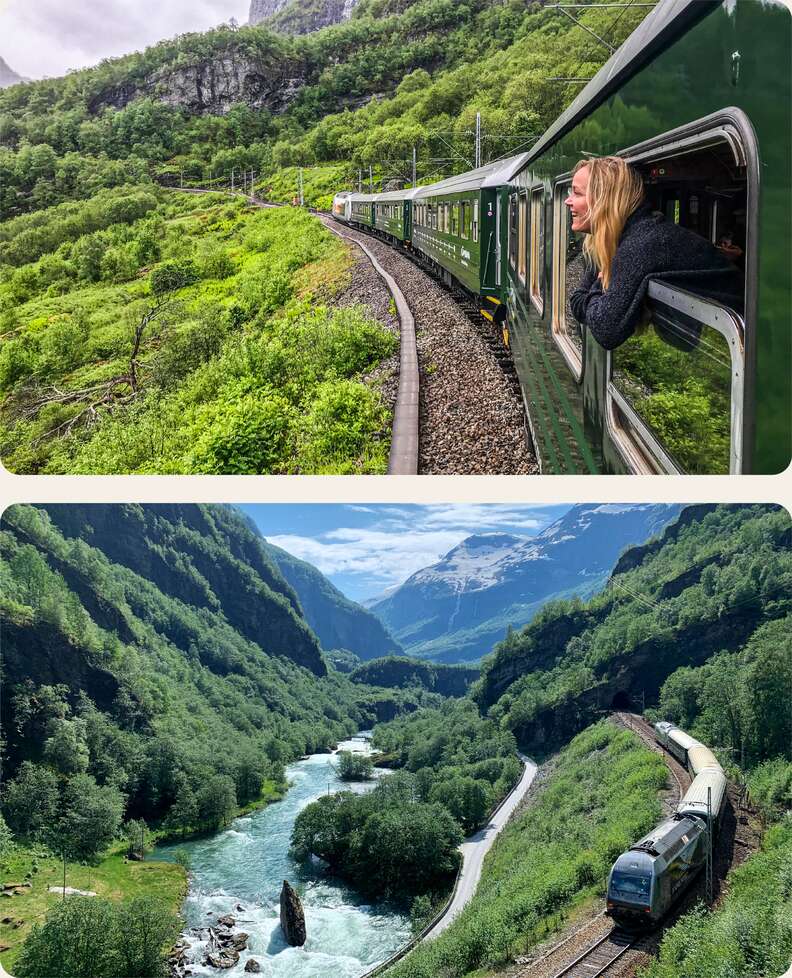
x,y
365,549
41,38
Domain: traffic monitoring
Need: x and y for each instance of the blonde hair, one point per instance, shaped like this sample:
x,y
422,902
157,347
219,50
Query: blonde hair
x,y
614,192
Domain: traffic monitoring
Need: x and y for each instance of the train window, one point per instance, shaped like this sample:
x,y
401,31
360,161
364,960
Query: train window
x,y
433,215
568,270
466,219
522,251
455,219
475,220
446,217
513,230
537,249
676,385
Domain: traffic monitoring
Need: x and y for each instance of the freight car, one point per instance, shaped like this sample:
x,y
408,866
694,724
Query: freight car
x,y
647,880
698,99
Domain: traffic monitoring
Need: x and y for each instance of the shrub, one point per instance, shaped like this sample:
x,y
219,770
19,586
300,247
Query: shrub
x,y
249,436
173,275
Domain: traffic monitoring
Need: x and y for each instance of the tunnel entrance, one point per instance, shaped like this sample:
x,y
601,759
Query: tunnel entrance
x,y
621,701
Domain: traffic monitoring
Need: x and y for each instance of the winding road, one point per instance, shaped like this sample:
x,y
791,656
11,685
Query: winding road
x,y
476,847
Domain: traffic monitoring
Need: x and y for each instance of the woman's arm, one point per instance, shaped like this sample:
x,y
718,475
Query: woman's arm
x,y
612,315
579,298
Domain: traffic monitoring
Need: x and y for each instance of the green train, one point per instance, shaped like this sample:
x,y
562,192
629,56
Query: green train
x,y
699,99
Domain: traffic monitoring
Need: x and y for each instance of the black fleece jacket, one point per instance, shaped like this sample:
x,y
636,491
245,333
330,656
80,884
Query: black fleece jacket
x,y
651,247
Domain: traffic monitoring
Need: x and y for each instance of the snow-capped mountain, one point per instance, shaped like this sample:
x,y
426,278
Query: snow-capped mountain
x,y
457,609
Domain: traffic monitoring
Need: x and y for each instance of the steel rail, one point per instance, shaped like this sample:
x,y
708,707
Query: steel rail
x,y
620,949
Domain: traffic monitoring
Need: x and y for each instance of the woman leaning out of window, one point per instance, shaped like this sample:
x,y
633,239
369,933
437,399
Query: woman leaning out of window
x,y
627,244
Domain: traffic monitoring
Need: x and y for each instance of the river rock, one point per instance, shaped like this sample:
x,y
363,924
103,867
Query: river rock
x,y
292,917
252,966
226,921
222,959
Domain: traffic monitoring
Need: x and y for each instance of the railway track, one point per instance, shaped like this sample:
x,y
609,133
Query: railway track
x,y
597,959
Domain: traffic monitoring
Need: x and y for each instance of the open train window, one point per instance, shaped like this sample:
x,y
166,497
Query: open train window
x,y
536,287
567,269
455,219
522,229
466,219
475,220
676,387
513,231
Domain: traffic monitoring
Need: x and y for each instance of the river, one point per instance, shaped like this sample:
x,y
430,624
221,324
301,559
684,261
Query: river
x,y
246,865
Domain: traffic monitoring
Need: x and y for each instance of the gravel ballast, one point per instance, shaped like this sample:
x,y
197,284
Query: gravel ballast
x,y
471,419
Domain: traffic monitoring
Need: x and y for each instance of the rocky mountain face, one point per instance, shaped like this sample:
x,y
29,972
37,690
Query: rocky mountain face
x,y
701,588
8,76
300,16
203,556
338,622
457,609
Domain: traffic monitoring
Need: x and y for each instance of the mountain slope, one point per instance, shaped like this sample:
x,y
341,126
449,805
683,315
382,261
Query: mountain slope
x,y
338,622
458,608
714,579
300,16
8,76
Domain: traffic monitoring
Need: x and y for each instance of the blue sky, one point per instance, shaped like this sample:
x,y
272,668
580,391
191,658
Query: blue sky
x,y
365,549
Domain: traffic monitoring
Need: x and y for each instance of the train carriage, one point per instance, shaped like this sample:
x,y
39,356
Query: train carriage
x,y
456,225
393,215
698,98
361,210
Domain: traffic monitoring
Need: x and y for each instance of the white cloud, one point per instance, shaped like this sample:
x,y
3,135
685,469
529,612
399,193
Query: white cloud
x,y
49,37
402,541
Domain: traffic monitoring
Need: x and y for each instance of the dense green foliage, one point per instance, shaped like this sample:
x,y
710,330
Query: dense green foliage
x,y
738,702
354,767
387,842
184,641
751,934
88,937
400,672
600,796
178,335
712,581
460,760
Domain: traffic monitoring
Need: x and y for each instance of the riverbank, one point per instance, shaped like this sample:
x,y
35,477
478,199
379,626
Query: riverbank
x,y
114,878
244,867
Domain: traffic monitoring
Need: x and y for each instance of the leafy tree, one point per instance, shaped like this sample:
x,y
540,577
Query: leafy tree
x,y
138,837
65,748
144,928
31,800
91,818
354,767
216,801
173,275
75,941
6,838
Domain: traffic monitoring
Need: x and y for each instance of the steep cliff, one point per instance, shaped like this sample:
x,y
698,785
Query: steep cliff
x,y
712,580
301,16
338,622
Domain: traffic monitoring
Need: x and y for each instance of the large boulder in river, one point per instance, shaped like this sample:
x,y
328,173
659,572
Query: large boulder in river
x,y
292,917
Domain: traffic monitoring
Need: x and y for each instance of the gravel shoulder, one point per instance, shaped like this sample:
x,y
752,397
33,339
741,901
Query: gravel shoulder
x,y
471,422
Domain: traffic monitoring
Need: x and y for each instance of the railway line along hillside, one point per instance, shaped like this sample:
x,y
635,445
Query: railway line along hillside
x,y
111,364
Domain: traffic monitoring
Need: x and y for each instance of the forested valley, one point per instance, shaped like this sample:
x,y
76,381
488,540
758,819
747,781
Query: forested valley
x,y
158,674
142,332
139,639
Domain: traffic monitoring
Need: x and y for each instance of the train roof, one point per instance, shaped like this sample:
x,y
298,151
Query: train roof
x,y
492,175
397,195
659,27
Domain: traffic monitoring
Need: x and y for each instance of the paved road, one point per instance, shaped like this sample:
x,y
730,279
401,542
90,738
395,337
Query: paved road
x,y
476,847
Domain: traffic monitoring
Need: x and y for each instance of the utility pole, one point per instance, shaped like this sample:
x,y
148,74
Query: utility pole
x,y
233,172
360,181
64,874
415,168
371,179
478,140
181,179
302,189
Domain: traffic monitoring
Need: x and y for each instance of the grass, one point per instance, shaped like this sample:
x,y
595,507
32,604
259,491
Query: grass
x,y
113,878
553,858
